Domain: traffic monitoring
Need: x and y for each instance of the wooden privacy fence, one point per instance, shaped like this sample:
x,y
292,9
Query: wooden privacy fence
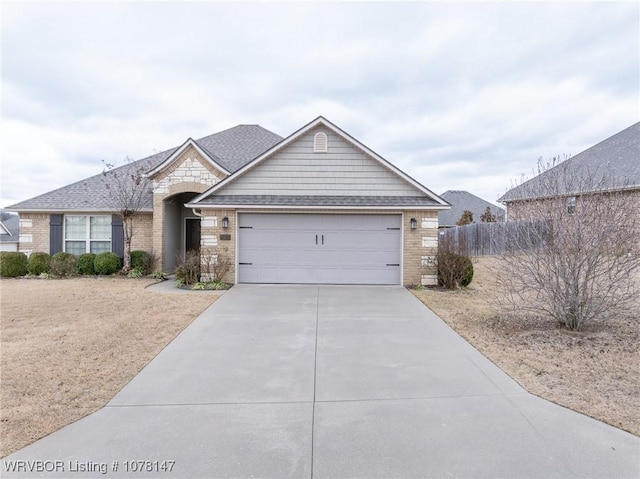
x,y
487,239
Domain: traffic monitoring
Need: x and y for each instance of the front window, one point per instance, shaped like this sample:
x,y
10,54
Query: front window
x,y
571,204
87,234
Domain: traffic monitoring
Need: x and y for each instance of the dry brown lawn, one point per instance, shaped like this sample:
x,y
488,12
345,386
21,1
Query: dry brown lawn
x,y
595,372
68,346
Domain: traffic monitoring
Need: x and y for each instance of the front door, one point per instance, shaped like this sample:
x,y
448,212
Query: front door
x,y
192,235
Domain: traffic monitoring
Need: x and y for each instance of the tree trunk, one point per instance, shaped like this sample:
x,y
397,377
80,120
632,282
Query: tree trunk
x,y
127,227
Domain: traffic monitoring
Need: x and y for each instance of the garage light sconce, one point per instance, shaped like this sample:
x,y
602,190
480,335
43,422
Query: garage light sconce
x,y
225,222
414,223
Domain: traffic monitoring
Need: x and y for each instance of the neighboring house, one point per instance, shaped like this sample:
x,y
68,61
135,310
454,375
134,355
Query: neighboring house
x,y
461,201
611,165
315,207
9,232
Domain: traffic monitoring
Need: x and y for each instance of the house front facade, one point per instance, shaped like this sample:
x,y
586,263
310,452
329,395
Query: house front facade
x,y
315,207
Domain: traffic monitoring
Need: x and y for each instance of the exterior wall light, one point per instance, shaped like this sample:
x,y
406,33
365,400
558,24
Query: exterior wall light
x,y
414,223
225,222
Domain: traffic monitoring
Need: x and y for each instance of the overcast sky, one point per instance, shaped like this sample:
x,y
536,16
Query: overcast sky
x,y
460,96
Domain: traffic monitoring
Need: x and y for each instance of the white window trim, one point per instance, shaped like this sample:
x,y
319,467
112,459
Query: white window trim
x,y
88,238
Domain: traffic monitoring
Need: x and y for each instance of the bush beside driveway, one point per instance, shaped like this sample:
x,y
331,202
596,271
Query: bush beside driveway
x,y
595,372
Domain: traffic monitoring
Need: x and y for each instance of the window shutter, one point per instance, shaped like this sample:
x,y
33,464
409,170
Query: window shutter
x,y
55,233
117,236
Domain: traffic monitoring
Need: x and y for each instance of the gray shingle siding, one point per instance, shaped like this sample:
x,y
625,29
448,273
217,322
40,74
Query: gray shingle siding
x,y
614,162
343,170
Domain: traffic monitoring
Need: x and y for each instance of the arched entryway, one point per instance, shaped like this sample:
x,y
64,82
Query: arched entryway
x,y
181,229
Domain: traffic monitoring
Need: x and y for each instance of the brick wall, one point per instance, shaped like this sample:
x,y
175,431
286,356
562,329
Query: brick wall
x,y
143,233
34,233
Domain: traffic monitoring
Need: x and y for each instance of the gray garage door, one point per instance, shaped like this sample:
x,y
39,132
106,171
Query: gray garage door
x,y
319,248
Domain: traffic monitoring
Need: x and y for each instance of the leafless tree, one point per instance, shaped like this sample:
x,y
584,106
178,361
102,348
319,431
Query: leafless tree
x,y
215,267
582,265
127,193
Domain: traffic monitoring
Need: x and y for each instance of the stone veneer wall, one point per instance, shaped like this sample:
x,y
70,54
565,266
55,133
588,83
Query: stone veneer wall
x,y
188,173
420,248
189,167
213,244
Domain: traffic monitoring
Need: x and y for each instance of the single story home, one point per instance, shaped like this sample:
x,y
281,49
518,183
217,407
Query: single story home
x,y
462,201
613,165
315,207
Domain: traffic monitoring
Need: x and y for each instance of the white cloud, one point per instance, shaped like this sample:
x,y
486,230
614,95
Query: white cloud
x,y
459,95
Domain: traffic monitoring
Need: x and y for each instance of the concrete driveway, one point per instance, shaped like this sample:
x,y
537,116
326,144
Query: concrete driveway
x,y
327,381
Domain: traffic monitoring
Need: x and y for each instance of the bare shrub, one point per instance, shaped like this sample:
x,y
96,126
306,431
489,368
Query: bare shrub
x,y
216,266
188,269
584,261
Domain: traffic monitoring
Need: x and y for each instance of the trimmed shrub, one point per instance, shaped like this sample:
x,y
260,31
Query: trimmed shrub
x,y
107,263
13,264
141,261
454,270
63,264
39,263
85,264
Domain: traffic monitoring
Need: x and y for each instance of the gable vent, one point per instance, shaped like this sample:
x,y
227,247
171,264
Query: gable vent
x,y
320,143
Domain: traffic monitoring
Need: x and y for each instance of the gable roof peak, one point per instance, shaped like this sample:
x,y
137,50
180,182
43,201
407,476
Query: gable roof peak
x,y
298,134
189,142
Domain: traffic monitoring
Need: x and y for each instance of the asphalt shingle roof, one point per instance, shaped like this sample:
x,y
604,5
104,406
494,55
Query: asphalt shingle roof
x,y
233,148
239,145
321,201
611,164
12,224
461,201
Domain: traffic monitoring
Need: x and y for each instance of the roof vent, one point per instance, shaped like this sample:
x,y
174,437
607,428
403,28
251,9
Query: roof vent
x,y
320,143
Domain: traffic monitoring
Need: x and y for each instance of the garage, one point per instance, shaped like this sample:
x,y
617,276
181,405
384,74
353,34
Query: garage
x,y
319,248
